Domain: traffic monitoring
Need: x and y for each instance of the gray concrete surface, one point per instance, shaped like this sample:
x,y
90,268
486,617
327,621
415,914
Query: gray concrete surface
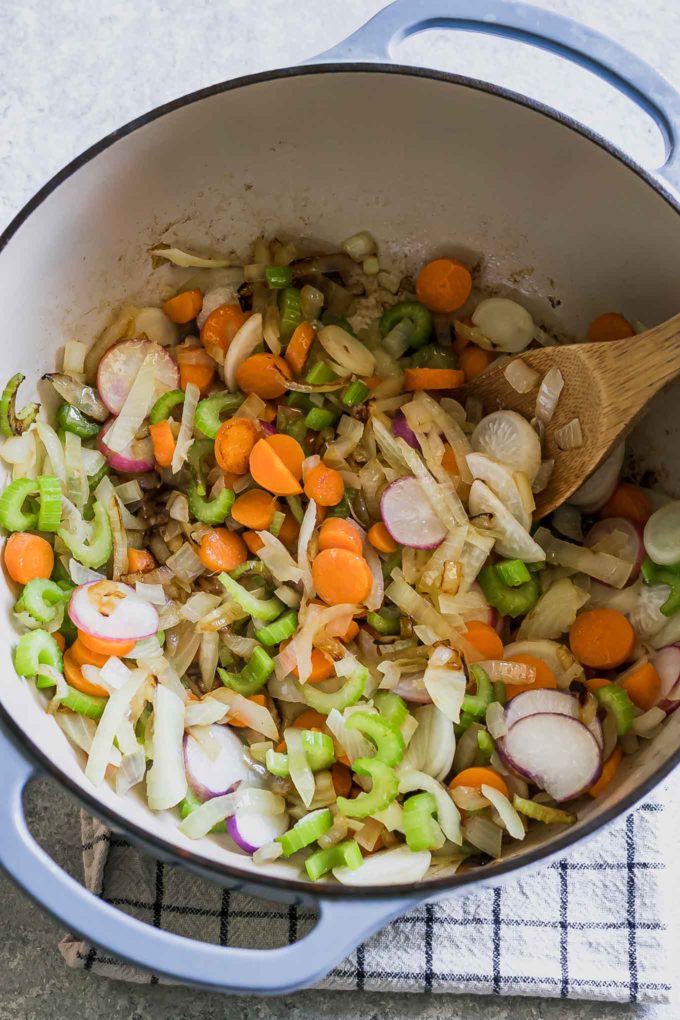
x,y
71,71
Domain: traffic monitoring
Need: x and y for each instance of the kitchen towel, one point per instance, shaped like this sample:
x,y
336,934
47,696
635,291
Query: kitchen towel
x,y
590,926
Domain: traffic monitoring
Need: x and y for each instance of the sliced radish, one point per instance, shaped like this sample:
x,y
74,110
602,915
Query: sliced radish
x,y
546,700
629,546
509,438
402,430
662,534
120,365
251,830
112,610
136,459
557,753
409,517
667,664
212,777
597,489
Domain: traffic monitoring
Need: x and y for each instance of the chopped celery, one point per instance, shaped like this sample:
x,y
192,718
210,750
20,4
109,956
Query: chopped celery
x,y
513,572
384,790
280,630
346,854
420,316
392,707
37,648
355,394
252,677
385,735
278,277
40,599
208,411
477,704
209,511
259,609
13,517
542,812
165,405
319,374
347,695
617,701
420,828
385,622
320,418
508,601
306,831
49,515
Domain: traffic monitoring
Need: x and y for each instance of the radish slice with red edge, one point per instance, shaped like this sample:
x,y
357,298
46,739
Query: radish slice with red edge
x,y
546,700
137,459
119,367
557,753
251,830
667,664
113,611
631,548
213,777
408,515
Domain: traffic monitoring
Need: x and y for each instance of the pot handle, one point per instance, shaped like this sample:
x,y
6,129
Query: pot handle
x,y
525,23
340,928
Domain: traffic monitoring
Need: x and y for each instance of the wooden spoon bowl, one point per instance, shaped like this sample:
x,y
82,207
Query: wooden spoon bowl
x,y
607,386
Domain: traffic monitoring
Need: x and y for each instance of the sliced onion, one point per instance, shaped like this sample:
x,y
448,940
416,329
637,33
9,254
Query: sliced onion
x,y
554,613
516,542
448,815
192,395
509,817
608,569
186,260
508,672
570,436
241,347
549,392
387,867
503,483
521,376
344,348
114,712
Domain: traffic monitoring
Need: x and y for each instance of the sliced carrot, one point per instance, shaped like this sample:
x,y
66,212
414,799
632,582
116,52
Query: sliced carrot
x,y
234,443
350,633
544,675
222,325
372,381
60,639
234,720
594,683
200,375
85,656
75,678
324,485
433,379
609,770
221,549
449,462
105,646
309,719
380,538
289,451
444,285
484,638
337,533
269,411
341,776
628,501
184,307
322,666
473,360
270,464
253,541
163,442
140,561
479,776
289,530
28,557
601,638
610,326
643,686
299,346
341,576
254,509
262,374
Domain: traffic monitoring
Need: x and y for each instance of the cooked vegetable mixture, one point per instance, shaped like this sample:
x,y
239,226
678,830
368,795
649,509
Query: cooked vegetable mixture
x,y
270,570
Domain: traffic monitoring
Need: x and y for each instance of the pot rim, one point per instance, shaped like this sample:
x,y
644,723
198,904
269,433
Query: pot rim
x,y
214,869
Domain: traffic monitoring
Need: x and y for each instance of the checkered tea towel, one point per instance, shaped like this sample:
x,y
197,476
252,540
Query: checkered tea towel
x,y
590,926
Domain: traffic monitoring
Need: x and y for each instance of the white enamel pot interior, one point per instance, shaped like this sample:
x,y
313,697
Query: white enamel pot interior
x,y
430,165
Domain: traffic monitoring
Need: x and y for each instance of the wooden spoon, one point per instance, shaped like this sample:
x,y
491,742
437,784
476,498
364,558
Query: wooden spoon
x,y
607,386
